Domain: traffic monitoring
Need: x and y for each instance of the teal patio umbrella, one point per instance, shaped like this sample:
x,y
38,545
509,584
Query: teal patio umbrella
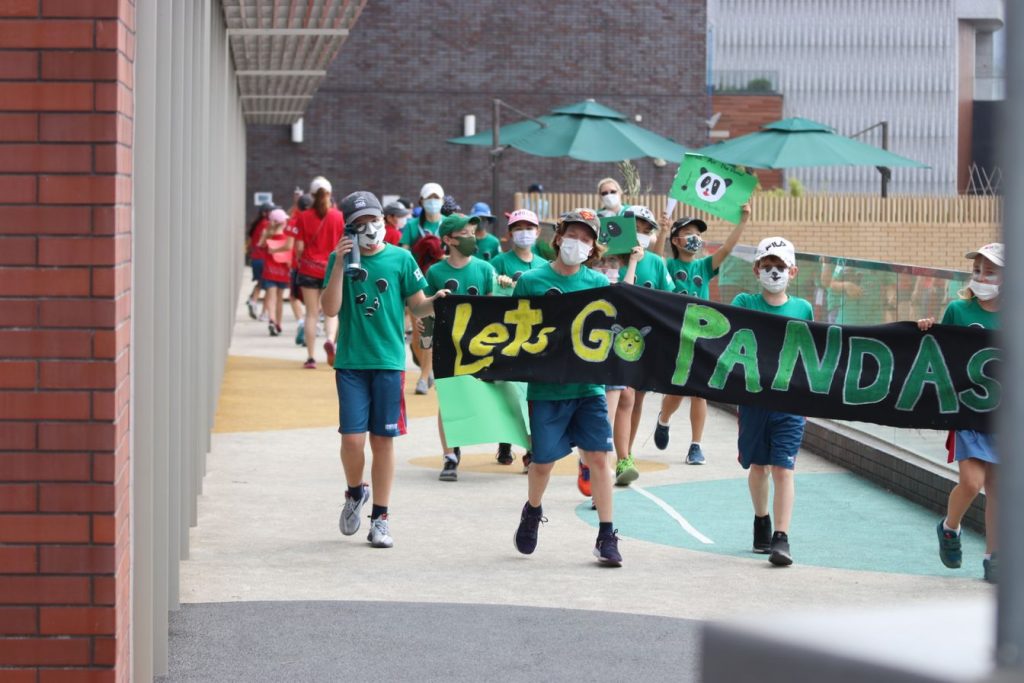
x,y
798,142
587,131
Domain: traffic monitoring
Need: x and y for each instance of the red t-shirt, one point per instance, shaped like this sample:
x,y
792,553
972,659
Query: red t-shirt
x,y
257,253
291,229
274,270
319,236
392,235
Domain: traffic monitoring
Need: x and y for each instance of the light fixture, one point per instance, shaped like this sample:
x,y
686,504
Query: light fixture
x,y
468,125
297,132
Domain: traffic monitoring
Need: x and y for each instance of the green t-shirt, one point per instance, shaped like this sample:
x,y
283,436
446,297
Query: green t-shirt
x,y
510,265
488,247
692,277
871,306
371,323
968,313
475,278
542,281
411,231
650,273
795,307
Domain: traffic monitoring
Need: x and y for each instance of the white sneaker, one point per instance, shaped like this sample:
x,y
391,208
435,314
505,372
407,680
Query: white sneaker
x,y
422,387
349,520
379,536
264,317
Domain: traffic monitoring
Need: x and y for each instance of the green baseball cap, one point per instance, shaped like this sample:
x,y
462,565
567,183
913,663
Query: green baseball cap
x,y
454,222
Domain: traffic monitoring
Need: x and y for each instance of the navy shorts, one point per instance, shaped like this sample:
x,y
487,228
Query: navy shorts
x,y
309,282
557,426
371,401
257,270
267,284
768,437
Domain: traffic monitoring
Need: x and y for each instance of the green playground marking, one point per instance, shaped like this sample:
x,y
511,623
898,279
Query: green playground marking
x,y
840,521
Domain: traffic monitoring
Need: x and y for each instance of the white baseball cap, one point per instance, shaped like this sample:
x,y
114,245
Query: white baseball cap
x,y
776,246
319,183
993,252
431,188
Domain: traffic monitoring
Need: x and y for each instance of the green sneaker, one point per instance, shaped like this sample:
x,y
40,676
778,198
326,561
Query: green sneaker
x,y
626,472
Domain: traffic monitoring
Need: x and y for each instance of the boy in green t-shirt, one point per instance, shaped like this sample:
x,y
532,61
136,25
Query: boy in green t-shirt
x,y
769,440
460,273
692,276
487,245
369,296
563,415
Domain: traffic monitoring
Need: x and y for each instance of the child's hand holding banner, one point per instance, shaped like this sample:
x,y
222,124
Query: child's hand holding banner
x,y
713,186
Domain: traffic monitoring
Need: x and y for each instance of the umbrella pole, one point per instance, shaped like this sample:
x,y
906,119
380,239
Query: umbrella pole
x,y
495,159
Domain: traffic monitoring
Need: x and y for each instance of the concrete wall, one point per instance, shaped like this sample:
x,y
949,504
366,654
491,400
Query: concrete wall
x,y
409,73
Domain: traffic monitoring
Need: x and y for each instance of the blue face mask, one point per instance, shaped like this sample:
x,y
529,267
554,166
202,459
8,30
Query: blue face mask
x,y
432,206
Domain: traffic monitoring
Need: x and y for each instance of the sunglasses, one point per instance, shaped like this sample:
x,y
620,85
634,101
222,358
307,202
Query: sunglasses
x,y
606,192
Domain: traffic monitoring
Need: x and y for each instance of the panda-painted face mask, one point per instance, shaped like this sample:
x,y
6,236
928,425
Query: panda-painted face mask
x,y
693,244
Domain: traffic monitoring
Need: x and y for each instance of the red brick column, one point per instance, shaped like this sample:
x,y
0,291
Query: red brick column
x,y
65,275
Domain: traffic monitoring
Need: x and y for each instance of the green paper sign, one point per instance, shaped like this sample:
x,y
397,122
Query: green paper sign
x,y
502,405
712,186
618,234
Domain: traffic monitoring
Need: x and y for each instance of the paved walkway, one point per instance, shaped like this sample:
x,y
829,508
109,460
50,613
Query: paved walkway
x,y
273,591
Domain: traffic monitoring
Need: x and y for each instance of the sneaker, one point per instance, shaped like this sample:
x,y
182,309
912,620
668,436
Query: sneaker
x,y
583,479
379,536
251,305
763,534
990,566
526,534
661,435
695,456
430,380
505,454
300,336
272,329
349,521
606,550
626,472
310,364
450,471
780,556
278,328
527,459
421,387
264,317
329,348
949,547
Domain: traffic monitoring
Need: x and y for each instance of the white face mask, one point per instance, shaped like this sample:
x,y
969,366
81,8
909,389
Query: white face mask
x,y
573,252
524,238
773,279
400,225
611,200
643,240
611,273
432,206
984,290
371,234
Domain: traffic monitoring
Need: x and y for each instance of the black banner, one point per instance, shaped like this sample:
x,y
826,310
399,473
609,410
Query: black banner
x,y
673,344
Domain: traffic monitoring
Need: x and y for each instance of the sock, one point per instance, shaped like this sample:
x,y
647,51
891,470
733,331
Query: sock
x,y
660,423
780,535
604,529
450,455
695,443
533,510
378,510
356,492
988,556
764,517
946,527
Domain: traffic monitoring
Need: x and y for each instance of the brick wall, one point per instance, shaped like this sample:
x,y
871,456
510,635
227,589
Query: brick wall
x,y
409,73
65,273
742,114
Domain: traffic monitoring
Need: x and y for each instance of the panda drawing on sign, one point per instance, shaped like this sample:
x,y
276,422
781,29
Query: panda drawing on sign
x,y
710,186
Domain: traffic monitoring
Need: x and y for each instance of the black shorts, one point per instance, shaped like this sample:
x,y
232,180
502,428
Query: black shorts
x,y
309,282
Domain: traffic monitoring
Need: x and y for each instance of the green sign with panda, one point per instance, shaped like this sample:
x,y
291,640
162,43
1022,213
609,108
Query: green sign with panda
x,y
718,188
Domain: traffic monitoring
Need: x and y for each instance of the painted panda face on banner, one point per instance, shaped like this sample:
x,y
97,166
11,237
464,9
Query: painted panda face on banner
x,y
710,186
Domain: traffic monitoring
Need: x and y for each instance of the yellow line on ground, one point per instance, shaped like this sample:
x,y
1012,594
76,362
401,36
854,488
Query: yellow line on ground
x,y
267,394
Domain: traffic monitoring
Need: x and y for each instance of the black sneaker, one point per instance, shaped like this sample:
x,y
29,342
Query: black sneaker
x,y
458,452
780,556
526,534
606,550
450,471
505,454
661,435
763,534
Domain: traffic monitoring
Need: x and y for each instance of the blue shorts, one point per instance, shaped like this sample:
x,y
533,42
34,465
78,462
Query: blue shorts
x,y
768,437
257,270
976,445
267,284
557,426
371,401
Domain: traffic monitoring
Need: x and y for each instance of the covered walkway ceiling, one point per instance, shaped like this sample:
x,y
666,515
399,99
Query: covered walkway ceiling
x,y
281,50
